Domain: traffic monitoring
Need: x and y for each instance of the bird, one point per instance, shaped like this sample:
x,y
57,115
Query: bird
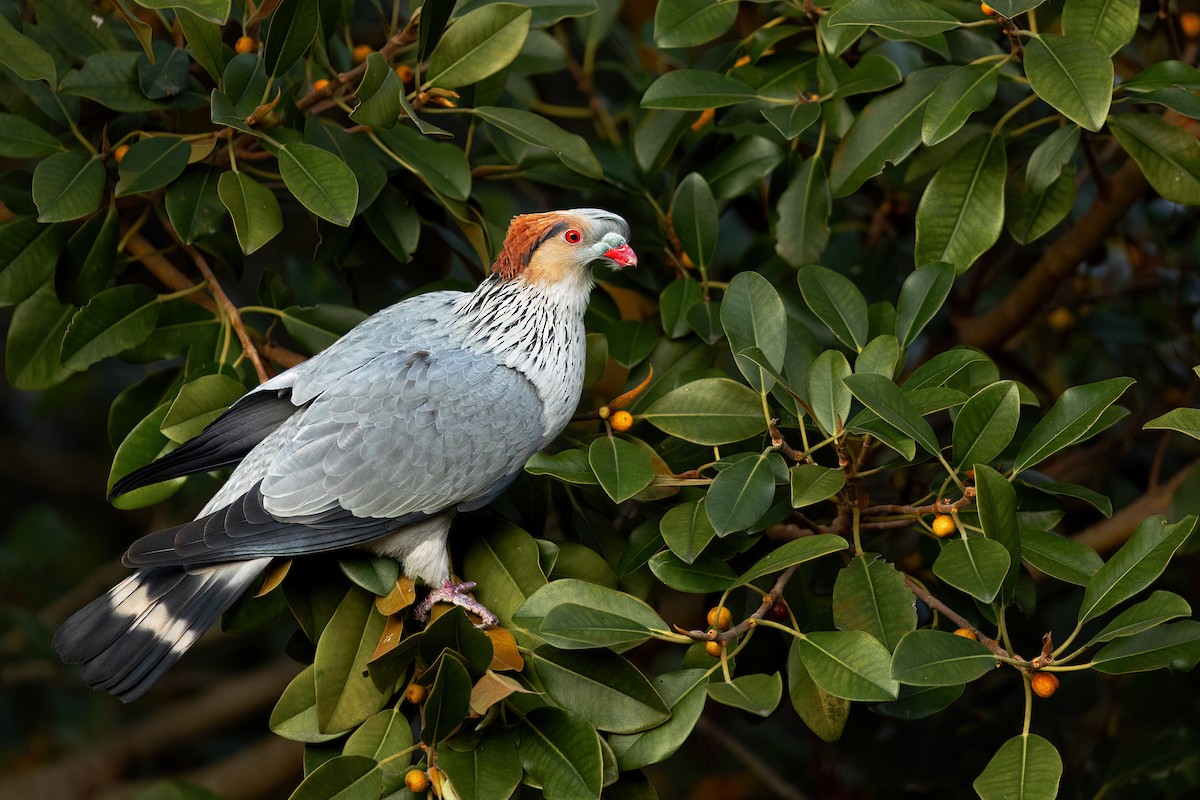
x,y
427,408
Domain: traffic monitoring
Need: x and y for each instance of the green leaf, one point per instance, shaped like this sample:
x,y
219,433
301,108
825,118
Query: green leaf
x,y
986,423
791,121
504,564
1026,766
163,73
937,658
1050,157
1072,415
802,230
86,267
317,327
797,551
1175,647
630,341
571,626
110,78
707,573
562,753
1059,557
479,44
569,466
962,210
758,694
709,411
376,575
194,205
742,493
1011,8
871,75
448,702
824,714
828,395
204,42
112,321
379,94
852,665
886,131
152,163
1156,609
1038,482
938,370
295,714
996,501
20,138
257,218
600,686
293,25
1029,217
674,303
684,692
581,593
924,292
1168,157
440,166
742,167
686,530
695,90
1073,74
198,403
67,186
894,407
1184,420
26,57
1135,566
488,767
621,467
880,356
694,219
571,149
812,483
381,736
963,92
35,333
837,302
343,777
869,595
320,181
346,695
142,445
919,702
212,10
1109,23
909,17
752,315
976,566
687,23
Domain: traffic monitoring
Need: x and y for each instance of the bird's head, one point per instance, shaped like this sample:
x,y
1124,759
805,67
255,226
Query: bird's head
x,y
559,247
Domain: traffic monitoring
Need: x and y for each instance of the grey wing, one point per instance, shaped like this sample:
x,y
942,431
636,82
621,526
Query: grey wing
x,y
408,435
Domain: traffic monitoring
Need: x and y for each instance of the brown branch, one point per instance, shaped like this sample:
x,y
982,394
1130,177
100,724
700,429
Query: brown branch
x,y
751,621
936,507
781,444
235,319
161,267
993,328
1109,534
79,775
280,355
405,36
922,594
773,780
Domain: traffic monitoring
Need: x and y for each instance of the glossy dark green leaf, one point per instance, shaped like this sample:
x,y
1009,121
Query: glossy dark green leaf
x,y
143,444
694,219
709,411
1073,74
1059,557
1131,569
88,263
112,321
1072,415
937,658
824,714
894,407
376,575
482,769
504,563
674,303
213,10
797,551
152,163
705,574
1155,610
109,77
686,530
869,595
479,44
1168,157
1175,646
976,566
67,186
695,90
791,121
320,181
742,493
837,302
257,218
198,403
20,138
986,423
909,17
963,92
166,74
684,692
852,665
630,341
1025,766
1029,217
1050,157
1109,23
924,292
828,396
752,315
571,626
742,167
317,327
194,205
570,591
686,23
35,333
24,56
757,694
440,165
562,753
346,695
295,714
293,26
344,777
812,483
601,687
621,467
571,149
1184,420
919,702
448,702
1042,484
569,466
962,210
204,42
802,230
379,94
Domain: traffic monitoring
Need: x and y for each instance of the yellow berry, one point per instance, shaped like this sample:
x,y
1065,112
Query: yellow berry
x,y
120,152
320,85
987,10
713,649
720,618
966,633
621,421
1044,684
244,44
416,781
1190,22
943,525
1061,318
405,73
361,52
415,694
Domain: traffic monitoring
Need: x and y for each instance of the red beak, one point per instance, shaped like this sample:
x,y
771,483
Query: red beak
x,y
622,256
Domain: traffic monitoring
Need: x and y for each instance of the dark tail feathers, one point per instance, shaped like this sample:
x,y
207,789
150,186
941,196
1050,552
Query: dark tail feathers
x,y
129,637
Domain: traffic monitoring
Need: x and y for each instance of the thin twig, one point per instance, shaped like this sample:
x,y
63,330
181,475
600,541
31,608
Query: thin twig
x,y
231,311
749,622
922,594
405,36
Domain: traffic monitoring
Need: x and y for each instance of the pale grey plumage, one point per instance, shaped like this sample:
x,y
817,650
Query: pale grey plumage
x,y
429,407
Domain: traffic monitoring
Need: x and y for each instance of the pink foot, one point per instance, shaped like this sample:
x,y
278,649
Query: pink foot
x,y
456,594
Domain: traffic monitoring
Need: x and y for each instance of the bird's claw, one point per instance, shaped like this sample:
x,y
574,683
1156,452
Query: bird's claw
x,y
456,594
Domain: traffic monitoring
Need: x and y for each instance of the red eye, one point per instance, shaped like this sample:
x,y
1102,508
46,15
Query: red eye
x,y
573,236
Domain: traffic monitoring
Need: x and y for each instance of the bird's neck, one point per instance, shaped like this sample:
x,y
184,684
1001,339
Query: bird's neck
x,y
536,329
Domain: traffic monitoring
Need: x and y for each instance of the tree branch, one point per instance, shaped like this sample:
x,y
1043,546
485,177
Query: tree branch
x,y
161,267
405,36
230,310
1109,534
